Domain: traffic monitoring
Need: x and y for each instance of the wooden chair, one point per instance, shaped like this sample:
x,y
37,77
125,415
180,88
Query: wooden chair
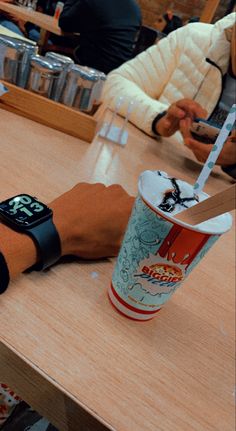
x,y
147,37
209,10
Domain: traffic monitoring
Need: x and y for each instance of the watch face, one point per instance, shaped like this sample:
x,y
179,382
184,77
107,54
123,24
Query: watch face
x,y
24,211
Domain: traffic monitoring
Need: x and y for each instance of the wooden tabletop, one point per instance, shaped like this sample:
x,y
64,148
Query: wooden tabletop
x,y
45,22
63,346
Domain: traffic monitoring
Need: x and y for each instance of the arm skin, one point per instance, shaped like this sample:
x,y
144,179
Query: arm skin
x,y
90,219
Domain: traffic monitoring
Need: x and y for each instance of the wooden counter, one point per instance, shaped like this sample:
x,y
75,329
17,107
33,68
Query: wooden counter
x,y
44,21
48,24
63,347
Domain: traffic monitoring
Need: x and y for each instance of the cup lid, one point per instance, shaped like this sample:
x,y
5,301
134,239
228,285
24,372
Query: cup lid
x,y
63,59
81,72
93,71
11,43
149,185
15,42
43,63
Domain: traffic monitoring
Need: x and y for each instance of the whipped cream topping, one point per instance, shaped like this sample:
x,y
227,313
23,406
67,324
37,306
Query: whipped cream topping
x,y
171,196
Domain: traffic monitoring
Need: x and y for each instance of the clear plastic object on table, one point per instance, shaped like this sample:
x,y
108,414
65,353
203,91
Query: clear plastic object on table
x,y
114,133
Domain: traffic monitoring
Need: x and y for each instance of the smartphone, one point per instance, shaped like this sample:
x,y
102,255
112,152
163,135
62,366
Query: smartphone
x,y
204,131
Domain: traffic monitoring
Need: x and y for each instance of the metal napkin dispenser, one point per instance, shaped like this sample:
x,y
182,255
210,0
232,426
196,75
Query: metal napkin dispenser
x,y
15,57
44,75
66,63
78,92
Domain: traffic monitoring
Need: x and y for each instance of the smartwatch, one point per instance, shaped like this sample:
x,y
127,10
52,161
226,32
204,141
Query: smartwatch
x,y
25,214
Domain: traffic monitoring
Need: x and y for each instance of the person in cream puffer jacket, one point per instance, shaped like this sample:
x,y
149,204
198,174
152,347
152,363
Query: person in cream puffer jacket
x,y
181,76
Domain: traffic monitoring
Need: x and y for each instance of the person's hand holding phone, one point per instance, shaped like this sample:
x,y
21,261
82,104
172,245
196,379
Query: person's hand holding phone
x,y
202,150
184,108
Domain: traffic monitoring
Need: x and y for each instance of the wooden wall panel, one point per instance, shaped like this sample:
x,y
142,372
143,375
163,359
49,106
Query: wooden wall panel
x,y
184,8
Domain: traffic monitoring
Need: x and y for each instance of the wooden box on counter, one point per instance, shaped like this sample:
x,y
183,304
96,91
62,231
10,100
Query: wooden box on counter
x,y
50,113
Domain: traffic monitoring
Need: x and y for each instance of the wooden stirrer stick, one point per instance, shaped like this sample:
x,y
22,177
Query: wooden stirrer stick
x,y
211,207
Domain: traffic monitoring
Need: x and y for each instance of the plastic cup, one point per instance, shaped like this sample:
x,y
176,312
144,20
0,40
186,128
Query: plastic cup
x,y
157,254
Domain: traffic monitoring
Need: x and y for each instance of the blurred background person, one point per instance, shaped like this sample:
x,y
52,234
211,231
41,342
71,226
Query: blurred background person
x,y
108,30
168,22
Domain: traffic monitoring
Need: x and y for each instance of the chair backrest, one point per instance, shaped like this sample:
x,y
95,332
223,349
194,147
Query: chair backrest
x,y
147,37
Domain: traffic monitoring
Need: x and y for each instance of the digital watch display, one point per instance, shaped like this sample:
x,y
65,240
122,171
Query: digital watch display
x,y
24,211
25,214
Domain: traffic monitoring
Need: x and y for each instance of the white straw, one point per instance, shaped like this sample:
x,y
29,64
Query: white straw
x,y
216,149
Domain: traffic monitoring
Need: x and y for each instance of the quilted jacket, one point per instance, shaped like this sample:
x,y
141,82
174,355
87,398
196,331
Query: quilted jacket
x,y
189,63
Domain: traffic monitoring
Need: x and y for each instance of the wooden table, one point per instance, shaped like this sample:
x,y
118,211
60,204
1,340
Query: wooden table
x,y
47,24
64,348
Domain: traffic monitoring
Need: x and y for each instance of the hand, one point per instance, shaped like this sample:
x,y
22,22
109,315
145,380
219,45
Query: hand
x,y
170,123
202,151
91,219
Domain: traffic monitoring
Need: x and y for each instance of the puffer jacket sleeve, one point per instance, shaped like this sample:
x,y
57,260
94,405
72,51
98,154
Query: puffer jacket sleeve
x,y
143,80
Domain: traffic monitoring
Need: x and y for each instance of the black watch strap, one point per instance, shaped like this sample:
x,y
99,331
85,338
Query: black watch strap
x,y
155,121
4,274
48,244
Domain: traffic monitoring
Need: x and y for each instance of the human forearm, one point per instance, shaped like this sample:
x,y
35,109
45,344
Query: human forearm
x,y
18,249
90,220
143,80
